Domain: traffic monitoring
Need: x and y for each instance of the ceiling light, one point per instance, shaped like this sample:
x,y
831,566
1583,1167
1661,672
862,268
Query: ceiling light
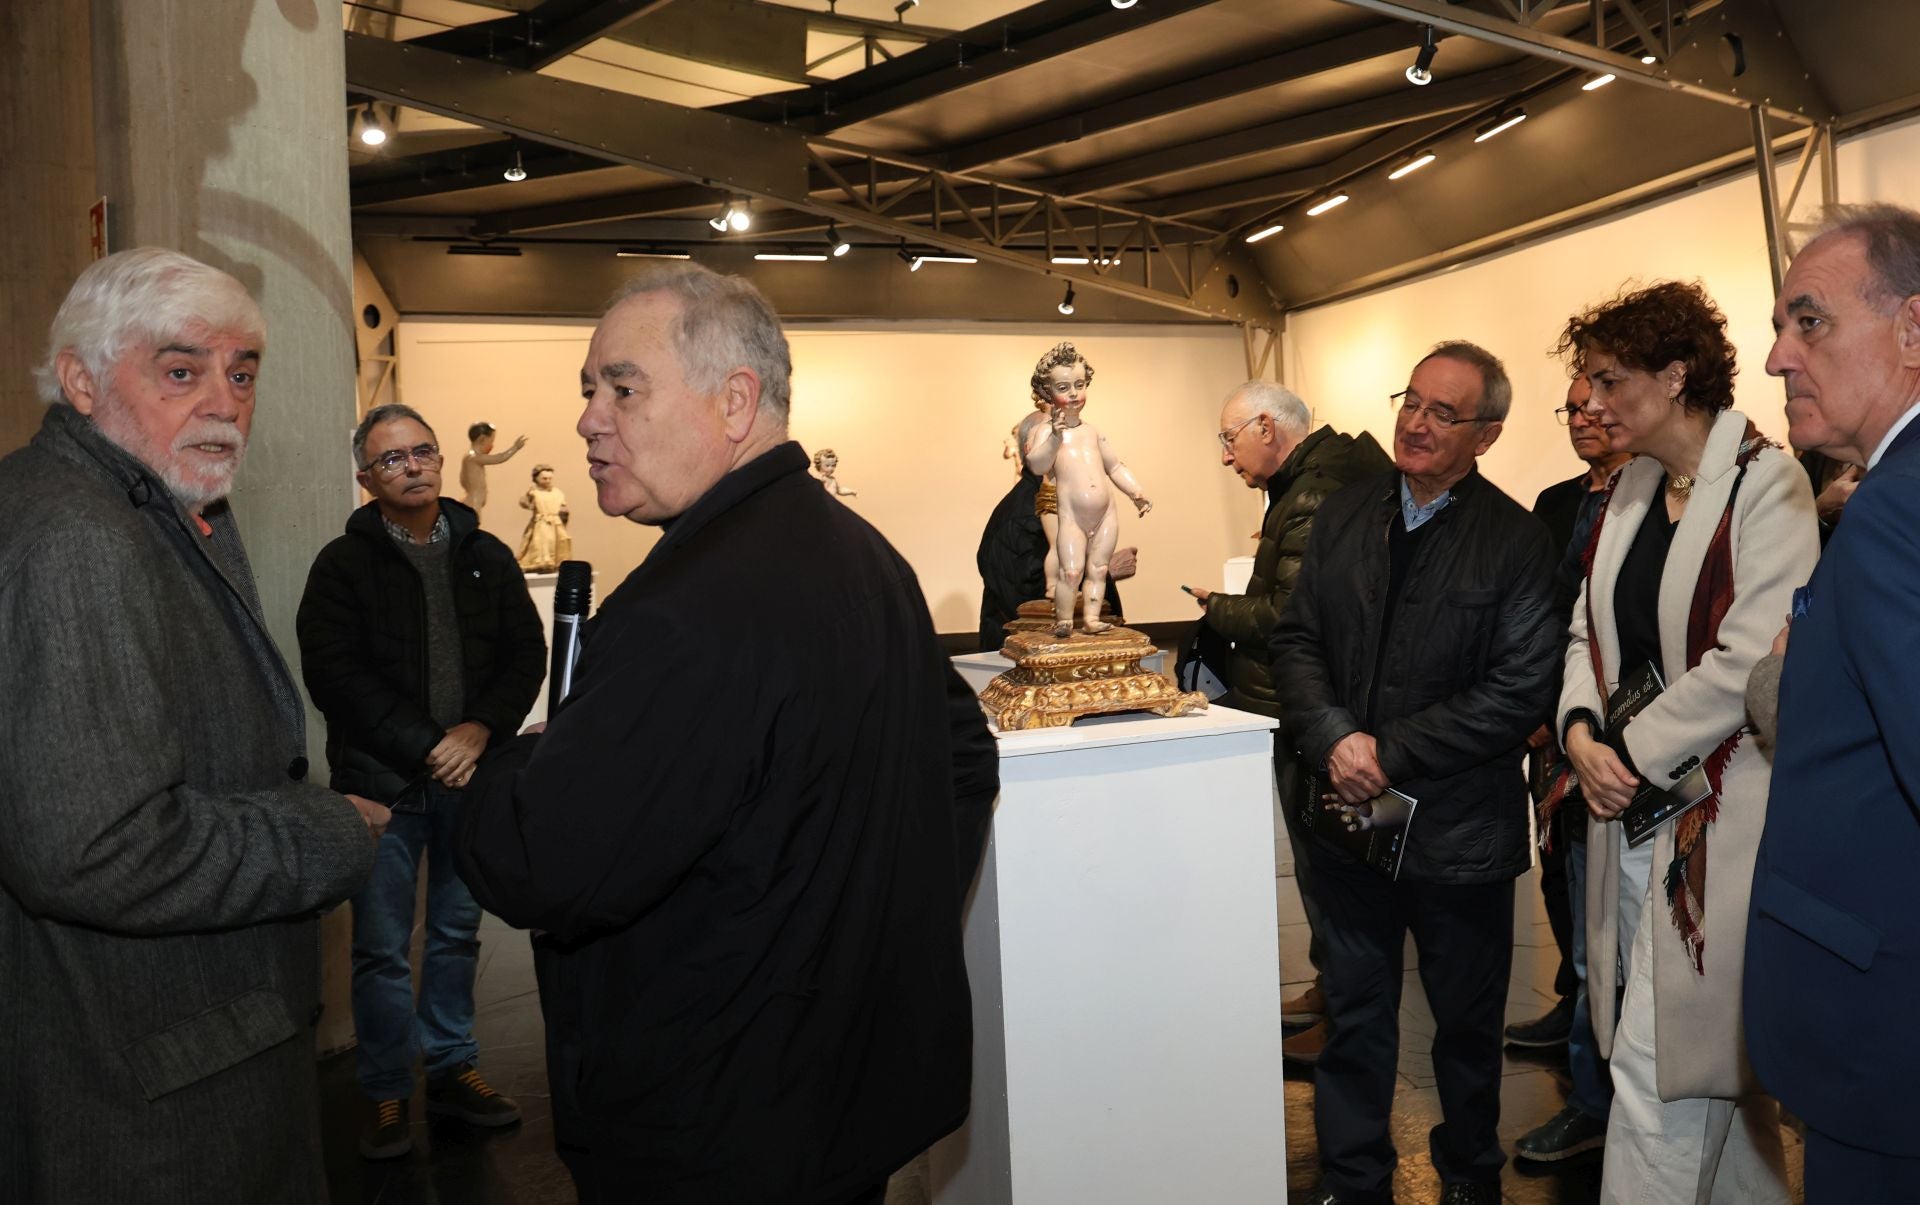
x,y
1103,261
900,9
943,259
719,222
368,127
1338,198
800,257
1598,81
1066,303
1411,166
645,253
480,249
1506,121
1422,70
517,171
1648,59
1125,3
840,246
738,217
1269,232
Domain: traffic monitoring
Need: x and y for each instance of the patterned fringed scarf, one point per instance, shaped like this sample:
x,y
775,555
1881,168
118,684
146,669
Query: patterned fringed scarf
x,y
1686,877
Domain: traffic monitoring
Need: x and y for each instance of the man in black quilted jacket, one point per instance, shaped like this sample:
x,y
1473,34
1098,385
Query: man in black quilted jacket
x,y
1418,652
1267,437
422,648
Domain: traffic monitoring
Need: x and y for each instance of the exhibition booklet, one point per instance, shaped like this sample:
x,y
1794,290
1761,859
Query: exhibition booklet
x,y
1375,831
1652,806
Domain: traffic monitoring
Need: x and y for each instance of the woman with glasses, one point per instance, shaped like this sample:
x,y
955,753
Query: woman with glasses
x,y
1691,565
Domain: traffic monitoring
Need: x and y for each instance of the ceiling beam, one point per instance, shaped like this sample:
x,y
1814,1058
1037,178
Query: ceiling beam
x,y
1158,103
464,168
1356,117
773,164
1024,38
1773,77
542,35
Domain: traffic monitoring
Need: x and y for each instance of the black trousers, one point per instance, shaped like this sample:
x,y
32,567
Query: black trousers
x,y
1553,890
1464,936
1838,1174
1291,782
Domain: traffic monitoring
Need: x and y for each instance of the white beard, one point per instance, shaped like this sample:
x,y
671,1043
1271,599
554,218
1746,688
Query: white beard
x,y
195,486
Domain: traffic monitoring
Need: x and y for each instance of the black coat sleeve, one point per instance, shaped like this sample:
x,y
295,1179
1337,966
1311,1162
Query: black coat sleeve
x,y
1309,704
357,696
976,775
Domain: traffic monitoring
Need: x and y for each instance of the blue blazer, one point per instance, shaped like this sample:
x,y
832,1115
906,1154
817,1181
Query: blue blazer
x,y
1832,988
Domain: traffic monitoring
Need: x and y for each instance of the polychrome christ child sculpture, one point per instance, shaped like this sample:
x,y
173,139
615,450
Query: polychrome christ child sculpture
x,y
1079,462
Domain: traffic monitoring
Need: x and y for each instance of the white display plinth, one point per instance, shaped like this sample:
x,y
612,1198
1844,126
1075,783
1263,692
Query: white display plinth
x,y
1123,949
981,668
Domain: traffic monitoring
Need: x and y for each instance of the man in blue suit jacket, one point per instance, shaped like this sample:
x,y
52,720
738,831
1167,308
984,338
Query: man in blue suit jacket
x,y
1833,942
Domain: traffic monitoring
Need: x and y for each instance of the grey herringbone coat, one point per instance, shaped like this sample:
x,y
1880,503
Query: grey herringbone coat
x,y
161,859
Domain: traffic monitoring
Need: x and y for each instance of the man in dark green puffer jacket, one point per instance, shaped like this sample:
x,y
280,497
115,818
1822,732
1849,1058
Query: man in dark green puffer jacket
x,y
1264,438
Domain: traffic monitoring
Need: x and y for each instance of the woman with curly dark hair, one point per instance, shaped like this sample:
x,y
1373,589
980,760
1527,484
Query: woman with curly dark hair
x,y
1694,561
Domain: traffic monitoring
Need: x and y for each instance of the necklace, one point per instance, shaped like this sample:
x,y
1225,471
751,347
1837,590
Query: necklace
x,y
1680,486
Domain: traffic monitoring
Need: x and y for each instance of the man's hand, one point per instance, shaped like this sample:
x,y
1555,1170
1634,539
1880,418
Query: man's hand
x,y
1780,641
1123,564
375,815
1353,768
1605,780
1200,594
453,759
1833,499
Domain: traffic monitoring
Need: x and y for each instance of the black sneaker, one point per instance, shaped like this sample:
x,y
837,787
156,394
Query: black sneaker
x,y
1570,1133
1549,1030
387,1135
462,1093
1466,1192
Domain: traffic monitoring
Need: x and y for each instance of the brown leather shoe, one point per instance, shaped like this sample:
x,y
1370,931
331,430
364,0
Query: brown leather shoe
x,y
1308,1008
1303,1049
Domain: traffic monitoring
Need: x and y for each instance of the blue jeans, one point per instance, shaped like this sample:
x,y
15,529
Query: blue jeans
x,y
392,1030
1592,1083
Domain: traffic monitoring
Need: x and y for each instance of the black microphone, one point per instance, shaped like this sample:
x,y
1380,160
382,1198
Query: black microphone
x,y
572,599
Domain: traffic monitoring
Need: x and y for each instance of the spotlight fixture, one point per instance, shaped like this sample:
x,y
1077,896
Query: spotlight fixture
x,y
1421,73
798,257
1412,165
1597,82
1066,303
368,128
900,10
516,171
840,245
1336,199
739,217
1506,121
719,222
1125,4
1267,232
1648,59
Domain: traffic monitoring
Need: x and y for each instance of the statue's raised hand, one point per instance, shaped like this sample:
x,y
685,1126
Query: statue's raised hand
x,y
1143,506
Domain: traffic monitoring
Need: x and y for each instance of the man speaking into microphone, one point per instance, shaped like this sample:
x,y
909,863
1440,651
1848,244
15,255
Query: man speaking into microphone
x,y
745,837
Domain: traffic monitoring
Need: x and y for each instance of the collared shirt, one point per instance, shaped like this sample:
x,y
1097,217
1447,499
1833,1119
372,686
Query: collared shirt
x,y
1892,434
402,536
1414,515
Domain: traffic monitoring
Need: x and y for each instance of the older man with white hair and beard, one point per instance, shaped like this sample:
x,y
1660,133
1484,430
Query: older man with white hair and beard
x,y
164,857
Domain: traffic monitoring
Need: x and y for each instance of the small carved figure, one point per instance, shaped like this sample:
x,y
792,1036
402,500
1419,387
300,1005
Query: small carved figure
x,y
547,541
473,466
824,463
1079,461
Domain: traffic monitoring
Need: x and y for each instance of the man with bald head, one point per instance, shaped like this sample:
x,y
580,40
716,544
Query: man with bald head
x,y
1268,439
1833,940
745,837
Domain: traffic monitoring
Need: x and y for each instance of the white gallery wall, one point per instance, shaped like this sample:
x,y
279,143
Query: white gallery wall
x,y
917,414
1346,358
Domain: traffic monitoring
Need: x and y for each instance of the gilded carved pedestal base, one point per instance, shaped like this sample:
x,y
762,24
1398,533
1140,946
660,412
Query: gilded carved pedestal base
x,y
1054,682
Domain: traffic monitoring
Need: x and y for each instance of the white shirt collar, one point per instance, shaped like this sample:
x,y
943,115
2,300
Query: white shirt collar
x,y
1893,433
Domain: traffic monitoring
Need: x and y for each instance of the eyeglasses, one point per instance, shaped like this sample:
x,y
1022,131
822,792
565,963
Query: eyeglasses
x,y
1564,415
1229,435
1065,387
394,463
1441,416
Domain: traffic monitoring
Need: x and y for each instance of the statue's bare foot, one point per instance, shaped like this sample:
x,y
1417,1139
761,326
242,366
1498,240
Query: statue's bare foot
x,y
1097,625
1062,630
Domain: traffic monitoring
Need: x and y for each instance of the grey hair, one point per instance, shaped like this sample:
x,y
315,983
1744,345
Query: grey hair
x,y
147,294
1891,236
1496,391
725,323
1278,402
392,412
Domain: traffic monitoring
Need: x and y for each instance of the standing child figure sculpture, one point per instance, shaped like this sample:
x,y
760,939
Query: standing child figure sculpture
x,y
547,542
480,454
1079,462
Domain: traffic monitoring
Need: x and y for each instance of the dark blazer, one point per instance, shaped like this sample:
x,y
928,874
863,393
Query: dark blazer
x,y
163,860
363,636
1833,939
1325,462
746,836
1467,671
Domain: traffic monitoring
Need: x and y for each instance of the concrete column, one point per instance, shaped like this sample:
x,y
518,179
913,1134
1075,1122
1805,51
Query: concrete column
x,y
46,143
219,132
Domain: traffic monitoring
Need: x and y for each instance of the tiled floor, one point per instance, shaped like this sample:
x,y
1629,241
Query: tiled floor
x,y
455,1165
